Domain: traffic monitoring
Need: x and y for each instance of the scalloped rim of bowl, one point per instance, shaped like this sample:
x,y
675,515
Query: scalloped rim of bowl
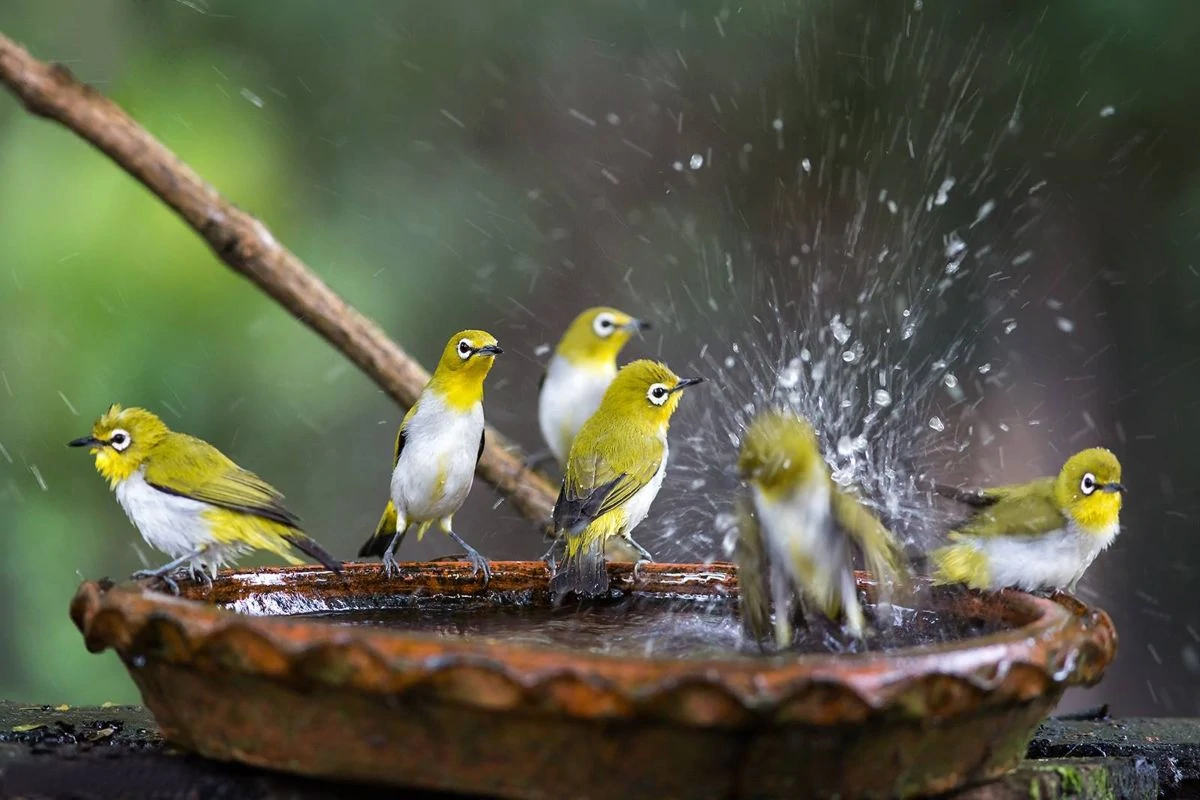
x,y
1062,642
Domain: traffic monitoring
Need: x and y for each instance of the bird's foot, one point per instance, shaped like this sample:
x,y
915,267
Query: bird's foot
x,y
551,564
478,562
391,567
637,568
159,574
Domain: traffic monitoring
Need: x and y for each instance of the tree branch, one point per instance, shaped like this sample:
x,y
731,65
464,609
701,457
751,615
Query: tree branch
x,y
246,246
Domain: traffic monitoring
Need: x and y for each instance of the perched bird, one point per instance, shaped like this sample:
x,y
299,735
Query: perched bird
x,y
188,499
796,531
582,367
613,474
1041,535
440,442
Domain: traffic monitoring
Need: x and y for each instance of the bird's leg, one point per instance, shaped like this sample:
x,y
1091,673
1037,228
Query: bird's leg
x,y
535,460
163,573
390,567
644,557
478,562
549,557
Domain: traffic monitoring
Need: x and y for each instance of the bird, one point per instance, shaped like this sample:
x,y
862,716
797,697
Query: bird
x,y
1035,536
613,473
189,500
796,529
583,365
437,448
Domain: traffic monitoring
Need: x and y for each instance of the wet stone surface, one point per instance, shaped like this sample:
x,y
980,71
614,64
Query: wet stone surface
x,y
116,751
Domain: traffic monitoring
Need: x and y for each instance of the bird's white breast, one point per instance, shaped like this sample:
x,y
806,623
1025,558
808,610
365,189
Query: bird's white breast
x,y
800,524
1051,560
569,396
437,465
175,525
637,507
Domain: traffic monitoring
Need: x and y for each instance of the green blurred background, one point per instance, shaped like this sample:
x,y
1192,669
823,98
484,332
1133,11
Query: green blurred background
x,y
506,164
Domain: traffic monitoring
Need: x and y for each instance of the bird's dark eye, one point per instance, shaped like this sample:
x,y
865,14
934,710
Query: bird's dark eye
x,y
1088,484
119,440
606,323
464,349
659,391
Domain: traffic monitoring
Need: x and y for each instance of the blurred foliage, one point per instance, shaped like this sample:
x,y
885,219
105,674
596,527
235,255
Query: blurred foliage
x,y
503,165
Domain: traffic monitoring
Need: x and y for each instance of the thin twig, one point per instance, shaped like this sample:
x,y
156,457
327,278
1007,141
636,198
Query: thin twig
x,y
246,246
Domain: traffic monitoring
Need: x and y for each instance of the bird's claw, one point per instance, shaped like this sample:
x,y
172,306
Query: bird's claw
x,y
480,564
637,568
170,582
391,567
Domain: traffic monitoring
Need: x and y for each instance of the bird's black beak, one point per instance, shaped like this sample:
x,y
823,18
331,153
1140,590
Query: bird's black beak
x,y
490,349
85,441
639,325
1113,487
686,382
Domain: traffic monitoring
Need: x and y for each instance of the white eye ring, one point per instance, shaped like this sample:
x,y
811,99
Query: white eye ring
x,y
464,349
658,394
1088,484
604,325
120,440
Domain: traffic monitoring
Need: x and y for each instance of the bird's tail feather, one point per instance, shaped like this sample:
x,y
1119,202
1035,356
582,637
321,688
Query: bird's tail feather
x,y
310,548
583,572
386,528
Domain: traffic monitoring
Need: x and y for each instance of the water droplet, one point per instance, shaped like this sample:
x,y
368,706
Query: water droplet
x,y
950,380
806,165
849,356
1065,325
985,211
254,99
677,166
777,124
1010,326
790,376
907,331
805,355
937,424
844,446
729,362
882,398
984,369
613,119
1108,111
541,350
697,161
841,331
943,192
892,207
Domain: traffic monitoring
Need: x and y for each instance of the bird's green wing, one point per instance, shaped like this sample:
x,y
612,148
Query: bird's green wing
x,y
188,467
1024,510
401,436
749,553
881,551
600,479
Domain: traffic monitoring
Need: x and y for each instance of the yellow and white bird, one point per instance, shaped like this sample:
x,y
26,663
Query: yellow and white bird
x,y
1041,535
797,528
579,372
613,474
437,448
189,500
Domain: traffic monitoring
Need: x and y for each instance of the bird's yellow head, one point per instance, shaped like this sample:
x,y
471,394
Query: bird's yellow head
x,y
122,440
779,451
465,362
1089,489
597,335
644,391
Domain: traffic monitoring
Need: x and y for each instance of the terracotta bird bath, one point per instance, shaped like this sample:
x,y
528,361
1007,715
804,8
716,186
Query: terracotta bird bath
x,y
420,689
